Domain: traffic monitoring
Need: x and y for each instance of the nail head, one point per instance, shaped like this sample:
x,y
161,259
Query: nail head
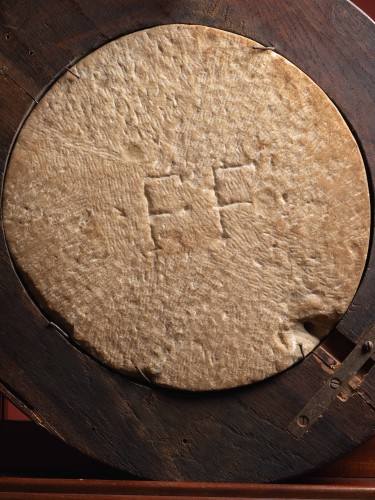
x,y
303,421
367,346
335,383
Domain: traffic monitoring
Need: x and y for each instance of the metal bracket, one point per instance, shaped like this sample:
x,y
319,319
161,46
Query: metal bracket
x,y
332,387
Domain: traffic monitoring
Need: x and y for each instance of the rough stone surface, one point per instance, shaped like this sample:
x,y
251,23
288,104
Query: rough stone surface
x,y
190,209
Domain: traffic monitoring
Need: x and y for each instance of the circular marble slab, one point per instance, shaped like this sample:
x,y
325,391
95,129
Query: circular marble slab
x,y
192,210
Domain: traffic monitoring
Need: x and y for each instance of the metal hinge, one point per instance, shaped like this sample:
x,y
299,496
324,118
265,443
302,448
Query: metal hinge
x,y
333,386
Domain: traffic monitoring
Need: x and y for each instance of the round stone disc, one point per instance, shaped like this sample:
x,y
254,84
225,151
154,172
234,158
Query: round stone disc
x,y
192,210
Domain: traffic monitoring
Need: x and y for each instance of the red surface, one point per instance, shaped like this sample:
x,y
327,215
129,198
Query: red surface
x,y
367,6
9,412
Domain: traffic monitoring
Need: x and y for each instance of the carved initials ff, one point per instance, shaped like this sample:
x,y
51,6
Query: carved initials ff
x,y
167,195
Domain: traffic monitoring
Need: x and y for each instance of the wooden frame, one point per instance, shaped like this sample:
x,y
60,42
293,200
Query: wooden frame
x,y
237,435
29,453
107,490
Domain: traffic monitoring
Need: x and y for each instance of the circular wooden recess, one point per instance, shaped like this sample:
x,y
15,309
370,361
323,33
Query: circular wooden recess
x,y
272,430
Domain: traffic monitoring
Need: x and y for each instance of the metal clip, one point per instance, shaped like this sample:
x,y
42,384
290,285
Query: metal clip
x,y
264,48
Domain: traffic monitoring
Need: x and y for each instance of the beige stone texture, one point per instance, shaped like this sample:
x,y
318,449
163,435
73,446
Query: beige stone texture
x,y
192,210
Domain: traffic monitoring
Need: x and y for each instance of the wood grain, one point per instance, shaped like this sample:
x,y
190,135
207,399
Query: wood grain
x,y
34,57
238,435
14,104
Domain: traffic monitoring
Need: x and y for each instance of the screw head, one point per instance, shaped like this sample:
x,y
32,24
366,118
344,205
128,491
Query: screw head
x,y
367,346
335,383
303,421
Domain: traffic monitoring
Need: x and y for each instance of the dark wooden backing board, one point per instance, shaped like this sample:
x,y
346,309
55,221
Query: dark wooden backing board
x,y
236,435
